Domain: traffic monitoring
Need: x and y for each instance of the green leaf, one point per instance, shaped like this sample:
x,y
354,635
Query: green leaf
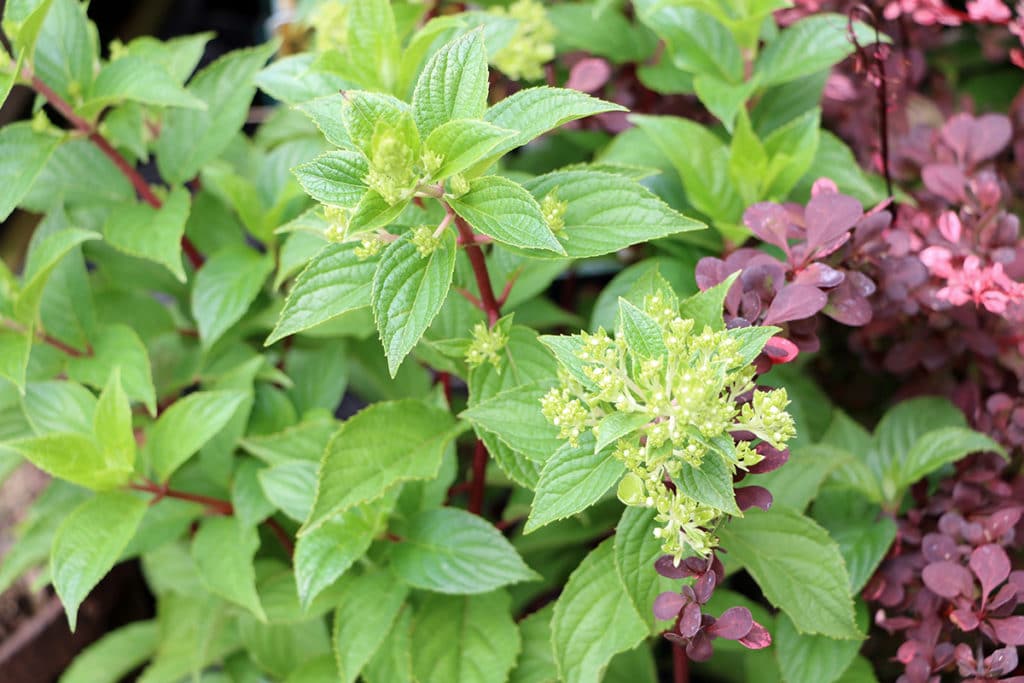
x,y
453,551
22,21
606,213
139,80
335,281
223,551
325,112
642,333
66,50
115,655
812,659
535,111
863,543
488,640
393,659
698,43
514,416
327,552
861,671
904,424
373,211
368,607
179,56
42,260
573,479
385,444
503,210
636,549
536,662
711,483
88,544
798,567
15,348
453,84
186,426
810,45
23,153
796,486
610,35
117,346
705,308
939,447
191,138
334,178
290,487
618,425
792,148
372,43
153,234
835,160
702,161
322,669
77,458
462,143
408,291
113,425
225,287
363,111
724,99
594,618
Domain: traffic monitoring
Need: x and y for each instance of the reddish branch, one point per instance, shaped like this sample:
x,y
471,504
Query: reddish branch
x,y
130,172
47,339
491,306
214,506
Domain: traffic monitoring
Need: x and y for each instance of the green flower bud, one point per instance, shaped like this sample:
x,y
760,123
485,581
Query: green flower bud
x,y
531,46
554,213
369,247
458,185
486,346
423,238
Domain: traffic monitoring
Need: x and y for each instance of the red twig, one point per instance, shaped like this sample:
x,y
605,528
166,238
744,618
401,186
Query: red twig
x,y
131,173
470,297
680,665
51,341
483,280
214,506
476,491
877,59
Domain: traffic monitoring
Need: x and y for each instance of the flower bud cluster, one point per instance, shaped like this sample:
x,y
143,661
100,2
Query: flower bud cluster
x,y
688,401
486,345
392,160
531,46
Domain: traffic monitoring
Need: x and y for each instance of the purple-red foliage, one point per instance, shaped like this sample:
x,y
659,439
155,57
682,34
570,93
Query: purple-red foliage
x,y
948,586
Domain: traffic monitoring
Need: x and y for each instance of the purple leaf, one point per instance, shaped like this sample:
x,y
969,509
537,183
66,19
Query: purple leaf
x,y
780,350
773,459
710,271
938,547
699,649
770,222
945,180
1000,522
753,496
965,618
828,219
667,567
948,579
757,639
667,605
991,565
988,137
819,275
705,586
795,302
735,623
589,75
690,621
1009,631
1002,661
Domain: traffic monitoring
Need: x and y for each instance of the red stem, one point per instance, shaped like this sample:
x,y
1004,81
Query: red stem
x,y
493,310
131,173
680,665
476,492
214,506
483,280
